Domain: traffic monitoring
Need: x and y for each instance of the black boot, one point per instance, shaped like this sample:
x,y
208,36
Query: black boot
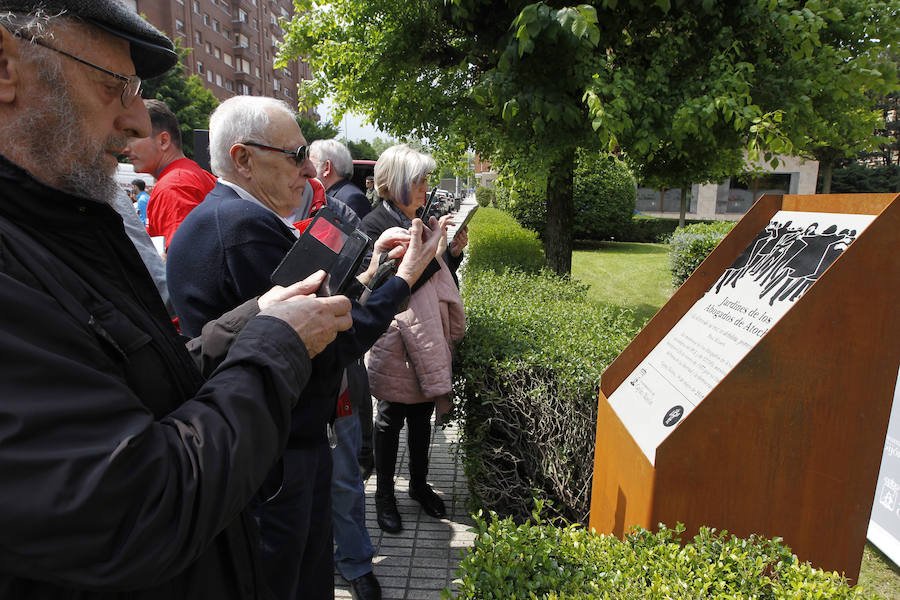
x,y
387,513
419,440
385,462
430,501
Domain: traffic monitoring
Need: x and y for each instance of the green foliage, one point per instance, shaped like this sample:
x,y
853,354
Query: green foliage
x,y
539,561
690,245
317,130
681,88
185,96
525,199
500,245
484,195
652,229
856,178
603,190
527,374
380,145
362,150
604,196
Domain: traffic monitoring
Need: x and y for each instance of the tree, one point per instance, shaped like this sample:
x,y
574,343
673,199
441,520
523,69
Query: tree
x,y
361,150
185,96
380,145
527,84
316,130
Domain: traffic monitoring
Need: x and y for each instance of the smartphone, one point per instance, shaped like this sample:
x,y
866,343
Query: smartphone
x,y
465,222
423,212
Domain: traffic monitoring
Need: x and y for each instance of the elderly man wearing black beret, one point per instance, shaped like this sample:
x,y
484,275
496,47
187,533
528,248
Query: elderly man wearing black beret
x,y
126,457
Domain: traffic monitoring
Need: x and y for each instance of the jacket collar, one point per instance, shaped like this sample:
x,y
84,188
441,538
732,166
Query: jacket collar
x,y
27,199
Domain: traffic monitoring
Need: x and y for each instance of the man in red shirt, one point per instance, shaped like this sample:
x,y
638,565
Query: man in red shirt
x,y
181,184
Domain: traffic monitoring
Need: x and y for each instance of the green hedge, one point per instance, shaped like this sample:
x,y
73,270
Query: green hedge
x,y
484,195
525,200
539,561
651,230
528,374
690,245
603,195
856,178
497,243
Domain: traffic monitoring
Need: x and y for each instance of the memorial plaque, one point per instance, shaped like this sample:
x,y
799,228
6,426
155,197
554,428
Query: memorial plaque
x,y
784,260
884,525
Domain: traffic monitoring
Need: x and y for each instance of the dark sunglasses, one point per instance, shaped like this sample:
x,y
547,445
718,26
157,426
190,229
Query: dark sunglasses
x,y
299,155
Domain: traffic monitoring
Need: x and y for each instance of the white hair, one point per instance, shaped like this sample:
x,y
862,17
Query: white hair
x,y
398,169
31,25
240,119
336,152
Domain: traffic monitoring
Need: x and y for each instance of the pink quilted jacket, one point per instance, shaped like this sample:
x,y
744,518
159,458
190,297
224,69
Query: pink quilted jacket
x,y
412,361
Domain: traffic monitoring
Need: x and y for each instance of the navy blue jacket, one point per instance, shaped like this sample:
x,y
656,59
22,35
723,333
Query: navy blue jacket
x,y
224,253
347,192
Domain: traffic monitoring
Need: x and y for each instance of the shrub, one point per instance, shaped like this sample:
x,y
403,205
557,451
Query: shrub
x,y
652,229
539,561
603,198
525,200
856,178
500,244
527,375
484,195
603,195
691,244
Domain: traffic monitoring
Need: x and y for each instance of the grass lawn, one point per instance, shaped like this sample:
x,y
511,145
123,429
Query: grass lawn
x,y
637,276
625,274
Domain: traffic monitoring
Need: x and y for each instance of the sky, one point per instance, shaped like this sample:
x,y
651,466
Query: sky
x,y
353,126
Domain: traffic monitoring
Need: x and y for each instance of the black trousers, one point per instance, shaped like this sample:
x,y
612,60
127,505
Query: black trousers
x,y
295,528
388,423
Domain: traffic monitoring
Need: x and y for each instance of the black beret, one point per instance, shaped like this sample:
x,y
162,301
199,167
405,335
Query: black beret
x,y
152,52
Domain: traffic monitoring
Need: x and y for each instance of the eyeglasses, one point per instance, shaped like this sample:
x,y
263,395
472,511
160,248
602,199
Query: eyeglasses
x,y
132,83
299,155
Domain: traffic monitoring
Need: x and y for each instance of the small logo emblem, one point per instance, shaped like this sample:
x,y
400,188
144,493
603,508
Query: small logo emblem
x,y
673,416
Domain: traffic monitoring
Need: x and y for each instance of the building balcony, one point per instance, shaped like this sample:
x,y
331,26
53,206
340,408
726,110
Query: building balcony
x,y
244,77
239,26
245,52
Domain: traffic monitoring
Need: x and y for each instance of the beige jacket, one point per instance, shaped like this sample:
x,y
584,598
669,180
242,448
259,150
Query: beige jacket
x,y
412,361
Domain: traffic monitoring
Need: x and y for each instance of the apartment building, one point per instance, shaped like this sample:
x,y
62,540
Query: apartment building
x,y
233,42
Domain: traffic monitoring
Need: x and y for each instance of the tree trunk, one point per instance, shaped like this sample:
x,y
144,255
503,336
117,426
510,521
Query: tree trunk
x,y
683,212
560,206
827,171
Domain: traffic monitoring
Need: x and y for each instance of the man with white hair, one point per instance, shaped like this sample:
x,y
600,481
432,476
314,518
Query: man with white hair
x,y
224,252
334,168
126,465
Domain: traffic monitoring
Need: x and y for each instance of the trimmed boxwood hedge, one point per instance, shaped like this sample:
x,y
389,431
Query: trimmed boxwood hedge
x,y
484,195
690,245
651,230
498,243
528,373
537,560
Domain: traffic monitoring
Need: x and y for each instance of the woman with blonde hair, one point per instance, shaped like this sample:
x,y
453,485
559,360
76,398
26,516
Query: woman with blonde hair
x,y
410,366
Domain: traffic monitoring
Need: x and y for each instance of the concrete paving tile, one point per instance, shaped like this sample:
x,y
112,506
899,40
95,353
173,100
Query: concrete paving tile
x,y
422,560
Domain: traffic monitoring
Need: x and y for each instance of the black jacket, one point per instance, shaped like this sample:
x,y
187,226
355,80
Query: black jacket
x,y
224,252
125,473
386,215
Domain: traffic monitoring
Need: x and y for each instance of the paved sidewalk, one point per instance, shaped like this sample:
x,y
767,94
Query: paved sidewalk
x,y
420,561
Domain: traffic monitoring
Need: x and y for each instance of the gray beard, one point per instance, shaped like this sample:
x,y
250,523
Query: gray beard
x,y
52,135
